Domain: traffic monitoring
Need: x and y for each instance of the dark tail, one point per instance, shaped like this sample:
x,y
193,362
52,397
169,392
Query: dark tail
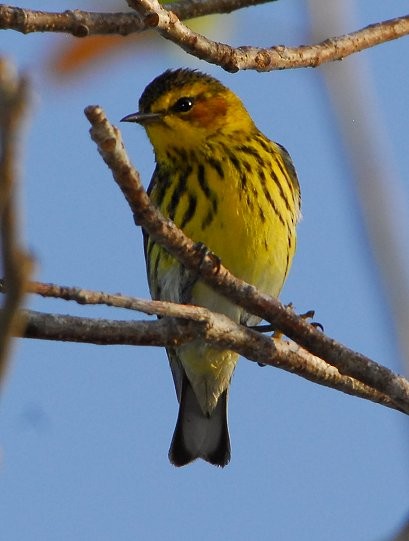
x,y
198,435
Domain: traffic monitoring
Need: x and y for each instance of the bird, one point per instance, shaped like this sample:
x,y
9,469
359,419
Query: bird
x,y
234,191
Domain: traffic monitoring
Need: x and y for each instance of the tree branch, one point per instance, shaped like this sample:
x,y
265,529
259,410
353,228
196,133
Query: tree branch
x,y
86,23
182,324
166,233
191,323
15,261
167,21
262,59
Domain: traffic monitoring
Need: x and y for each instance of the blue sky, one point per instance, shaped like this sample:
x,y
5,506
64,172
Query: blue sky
x,y
84,430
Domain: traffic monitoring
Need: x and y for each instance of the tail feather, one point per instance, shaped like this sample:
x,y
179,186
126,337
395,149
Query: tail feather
x,y
198,435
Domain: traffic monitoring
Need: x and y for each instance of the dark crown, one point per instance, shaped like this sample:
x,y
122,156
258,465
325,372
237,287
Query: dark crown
x,y
170,80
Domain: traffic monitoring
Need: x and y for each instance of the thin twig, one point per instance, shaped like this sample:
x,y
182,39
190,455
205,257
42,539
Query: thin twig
x,y
214,328
86,23
167,21
265,59
16,263
166,233
383,206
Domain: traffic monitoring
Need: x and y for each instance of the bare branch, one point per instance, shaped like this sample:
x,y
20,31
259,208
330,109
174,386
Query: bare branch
x,y
78,23
16,263
191,322
214,328
85,23
384,206
214,274
262,59
151,307
167,21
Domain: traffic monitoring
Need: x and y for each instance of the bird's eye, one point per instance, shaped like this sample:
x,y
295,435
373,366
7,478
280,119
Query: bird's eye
x,y
183,105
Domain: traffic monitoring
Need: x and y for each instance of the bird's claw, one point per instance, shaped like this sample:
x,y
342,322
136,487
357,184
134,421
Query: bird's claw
x,y
309,315
203,251
278,335
191,276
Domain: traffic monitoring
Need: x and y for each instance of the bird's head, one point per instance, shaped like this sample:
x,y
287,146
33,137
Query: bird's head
x,y
186,109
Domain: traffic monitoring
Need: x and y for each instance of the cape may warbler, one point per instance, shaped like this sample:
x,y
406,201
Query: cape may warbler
x,y
232,189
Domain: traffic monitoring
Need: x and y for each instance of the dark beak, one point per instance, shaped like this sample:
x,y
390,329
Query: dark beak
x,y
142,118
